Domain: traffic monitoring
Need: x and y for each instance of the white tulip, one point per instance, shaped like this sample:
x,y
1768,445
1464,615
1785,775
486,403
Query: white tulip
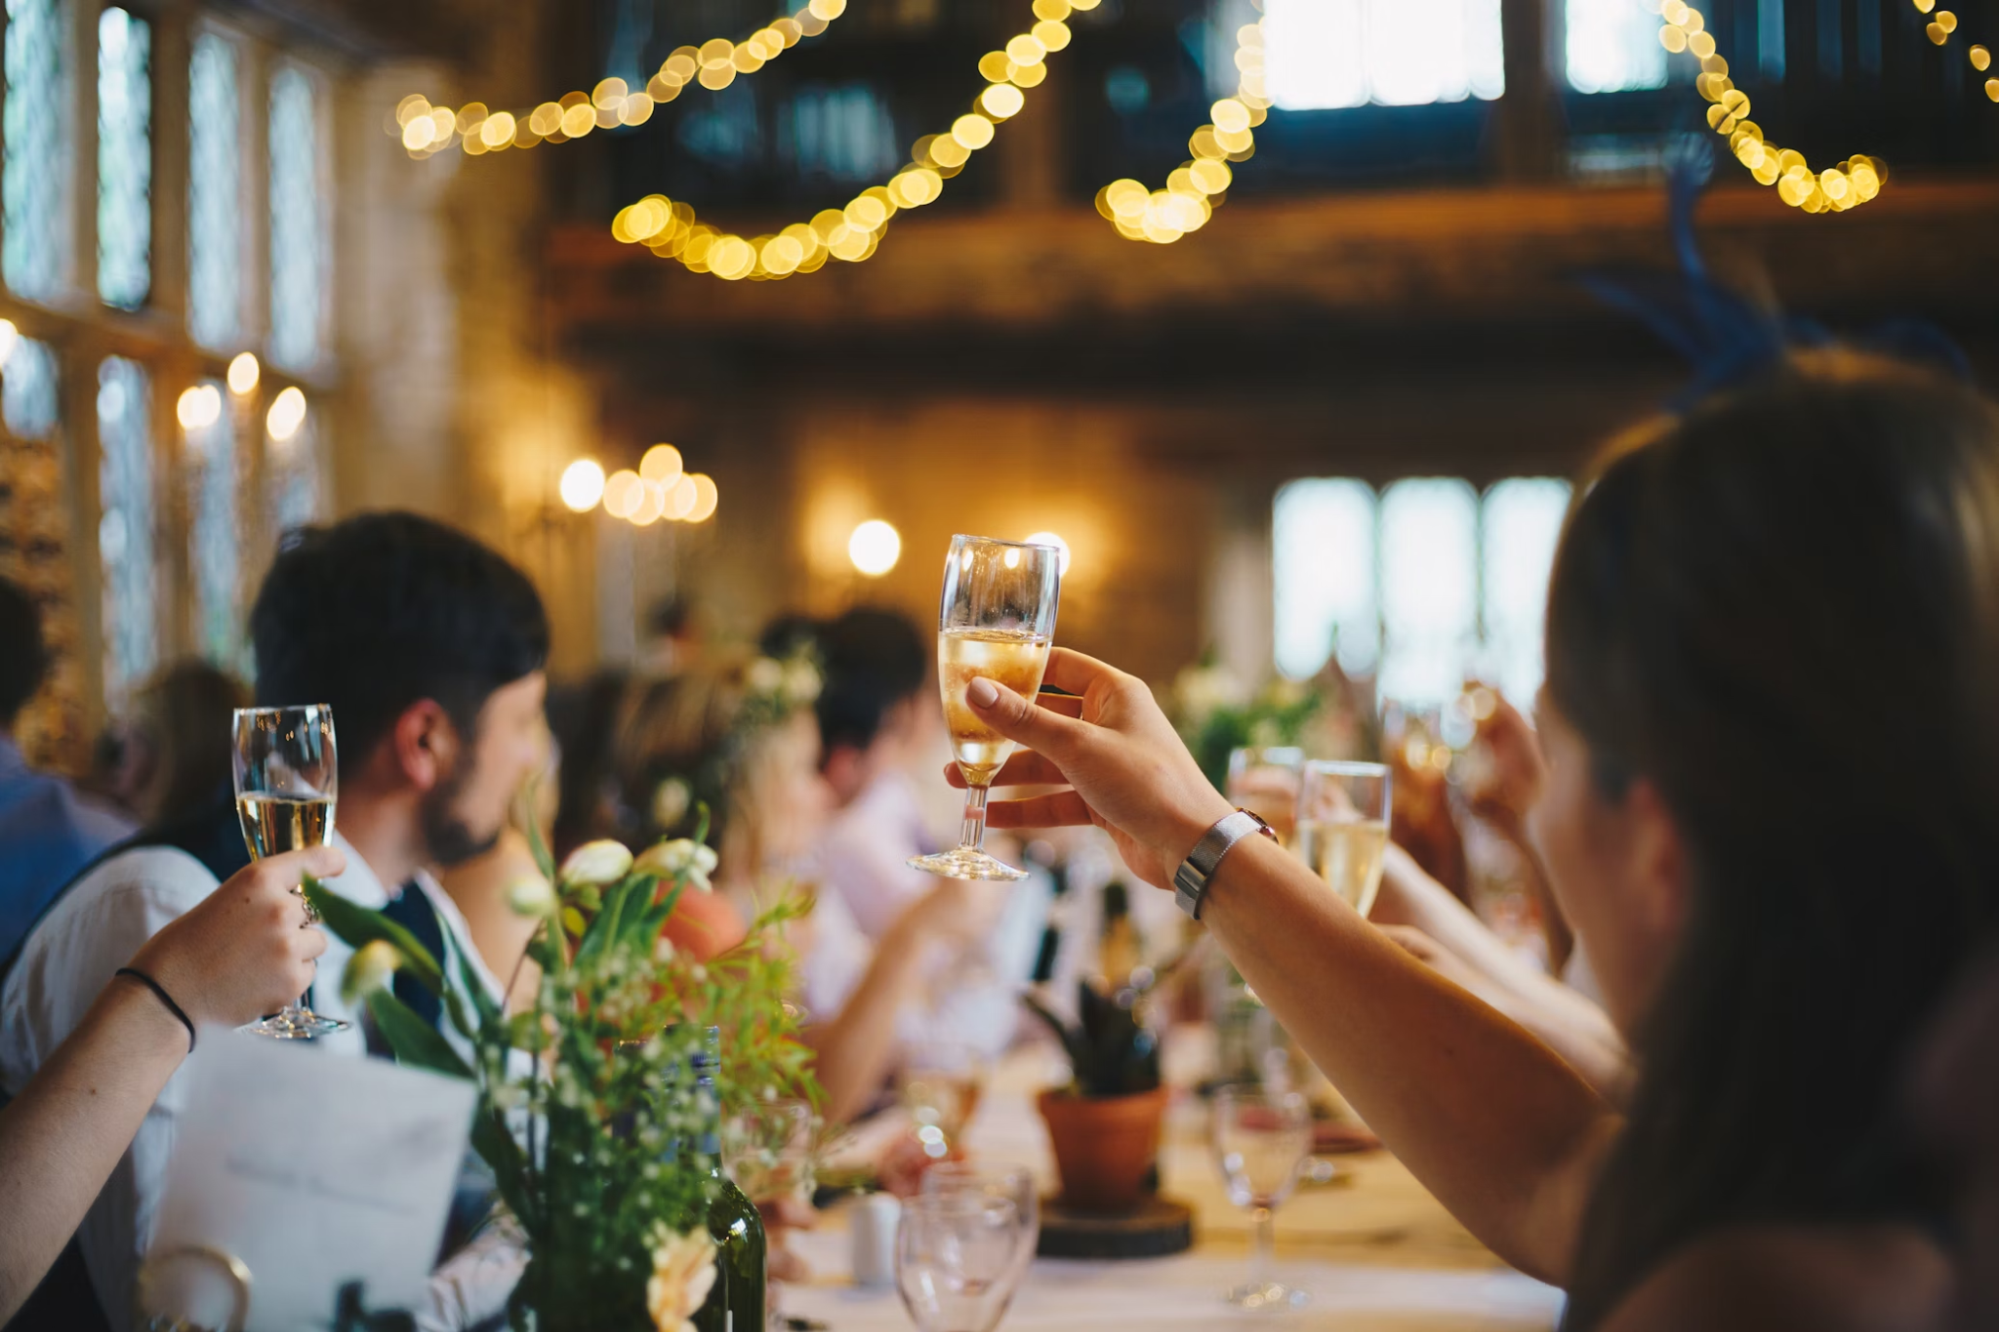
x,y
765,676
531,895
677,859
600,862
372,968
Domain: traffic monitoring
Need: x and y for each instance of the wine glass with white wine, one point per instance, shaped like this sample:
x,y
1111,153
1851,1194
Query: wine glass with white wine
x,y
1343,826
997,621
287,780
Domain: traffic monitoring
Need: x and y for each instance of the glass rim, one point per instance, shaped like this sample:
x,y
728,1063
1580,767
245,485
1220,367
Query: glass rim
x,y
958,537
955,1202
1347,768
280,708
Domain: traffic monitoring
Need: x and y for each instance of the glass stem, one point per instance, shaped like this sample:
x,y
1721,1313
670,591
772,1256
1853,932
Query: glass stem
x,y
973,835
1262,1243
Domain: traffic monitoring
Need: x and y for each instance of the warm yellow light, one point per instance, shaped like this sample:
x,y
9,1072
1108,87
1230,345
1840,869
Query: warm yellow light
x,y
582,485
1012,560
497,130
972,130
244,373
874,548
651,507
10,338
661,465
680,498
706,497
199,407
1050,539
1025,50
418,134
623,493
1001,100
287,413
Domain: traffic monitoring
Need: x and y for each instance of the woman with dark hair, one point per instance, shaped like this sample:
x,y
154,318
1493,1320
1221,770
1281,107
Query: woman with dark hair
x,y
1769,718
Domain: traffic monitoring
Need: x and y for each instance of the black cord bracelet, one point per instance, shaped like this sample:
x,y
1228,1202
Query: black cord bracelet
x,y
165,999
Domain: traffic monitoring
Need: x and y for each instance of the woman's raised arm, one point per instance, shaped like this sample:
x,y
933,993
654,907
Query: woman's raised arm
x,y
1491,1120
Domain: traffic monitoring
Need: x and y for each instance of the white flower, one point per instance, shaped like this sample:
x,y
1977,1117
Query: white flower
x,y
669,802
372,968
683,1269
531,895
600,862
765,676
681,858
801,682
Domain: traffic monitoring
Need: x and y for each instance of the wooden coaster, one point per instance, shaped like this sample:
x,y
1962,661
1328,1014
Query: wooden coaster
x,y
1158,1227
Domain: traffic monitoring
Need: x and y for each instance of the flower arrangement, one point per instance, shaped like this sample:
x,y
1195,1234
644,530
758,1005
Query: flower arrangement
x,y
773,689
1215,713
589,1115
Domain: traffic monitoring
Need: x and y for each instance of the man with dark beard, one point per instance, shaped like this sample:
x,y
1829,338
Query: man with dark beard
x,y
430,649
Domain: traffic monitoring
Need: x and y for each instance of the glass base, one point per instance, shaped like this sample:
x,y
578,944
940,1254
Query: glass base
x,y
296,1023
1266,1296
966,863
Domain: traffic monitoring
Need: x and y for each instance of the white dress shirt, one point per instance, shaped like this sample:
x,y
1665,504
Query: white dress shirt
x,y
92,932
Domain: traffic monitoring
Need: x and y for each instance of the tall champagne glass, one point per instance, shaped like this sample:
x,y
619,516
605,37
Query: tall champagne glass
x,y
1343,827
287,781
997,621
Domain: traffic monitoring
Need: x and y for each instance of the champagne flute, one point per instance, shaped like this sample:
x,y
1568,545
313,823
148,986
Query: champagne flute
x,y
1343,827
997,621
1262,1140
287,781
1265,779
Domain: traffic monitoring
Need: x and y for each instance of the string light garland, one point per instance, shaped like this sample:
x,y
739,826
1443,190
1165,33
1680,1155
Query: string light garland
x,y
1834,190
427,130
671,229
1200,185
661,490
1941,26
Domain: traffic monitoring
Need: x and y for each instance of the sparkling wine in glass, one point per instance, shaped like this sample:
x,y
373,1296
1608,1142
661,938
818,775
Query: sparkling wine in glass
x,y
1343,827
287,782
955,1259
1265,778
1261,1141
997,620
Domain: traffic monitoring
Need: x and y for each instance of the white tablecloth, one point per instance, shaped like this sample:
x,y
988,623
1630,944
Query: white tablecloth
x,y
1373,1249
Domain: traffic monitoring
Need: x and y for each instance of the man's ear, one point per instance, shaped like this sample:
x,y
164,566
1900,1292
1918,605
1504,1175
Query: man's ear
x,y
424,744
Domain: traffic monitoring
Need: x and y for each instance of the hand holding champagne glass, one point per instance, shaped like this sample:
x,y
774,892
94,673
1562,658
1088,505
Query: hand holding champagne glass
x,y
997,621
287,781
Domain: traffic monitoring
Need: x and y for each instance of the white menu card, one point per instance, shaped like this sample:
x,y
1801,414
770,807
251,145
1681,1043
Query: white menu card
x,y
314,1170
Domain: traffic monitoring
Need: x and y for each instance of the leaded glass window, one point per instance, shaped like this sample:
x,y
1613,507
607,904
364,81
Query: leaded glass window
x,y
292,473
34,168
1612,46
1339,53
297,225
214,468
214,194
29,398
124,158
1419,586
125,526
1522,521
844,132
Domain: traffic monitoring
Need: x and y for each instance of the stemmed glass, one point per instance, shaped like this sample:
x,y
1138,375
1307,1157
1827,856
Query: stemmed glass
x,y
997,1181
1265,779
1262,1140
997,620
940,1083
287,781
955,1260
1343,827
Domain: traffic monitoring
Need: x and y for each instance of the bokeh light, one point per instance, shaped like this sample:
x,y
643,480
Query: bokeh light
x,y
287,413
1050,539
244,372
875,547
582,485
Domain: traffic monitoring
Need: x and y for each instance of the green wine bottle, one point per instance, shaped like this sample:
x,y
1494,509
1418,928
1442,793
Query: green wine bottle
x,y
736,1301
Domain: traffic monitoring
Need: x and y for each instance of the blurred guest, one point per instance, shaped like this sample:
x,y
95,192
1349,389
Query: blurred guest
x,y
181,726
738,737
429,647
873,713
1957,1104
583,719
47,831
673,641
238,954
1774,922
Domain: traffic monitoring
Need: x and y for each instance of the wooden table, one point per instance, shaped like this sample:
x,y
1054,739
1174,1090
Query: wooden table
x,y
1373,1247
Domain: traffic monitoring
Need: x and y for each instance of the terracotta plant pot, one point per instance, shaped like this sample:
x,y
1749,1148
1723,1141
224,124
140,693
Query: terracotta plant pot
x,y
1105,1147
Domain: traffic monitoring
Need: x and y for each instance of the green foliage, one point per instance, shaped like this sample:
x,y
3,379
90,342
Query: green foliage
x,y
588,1115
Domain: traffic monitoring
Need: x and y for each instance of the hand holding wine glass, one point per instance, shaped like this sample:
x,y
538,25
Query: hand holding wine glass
x,y
996,622
287,783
